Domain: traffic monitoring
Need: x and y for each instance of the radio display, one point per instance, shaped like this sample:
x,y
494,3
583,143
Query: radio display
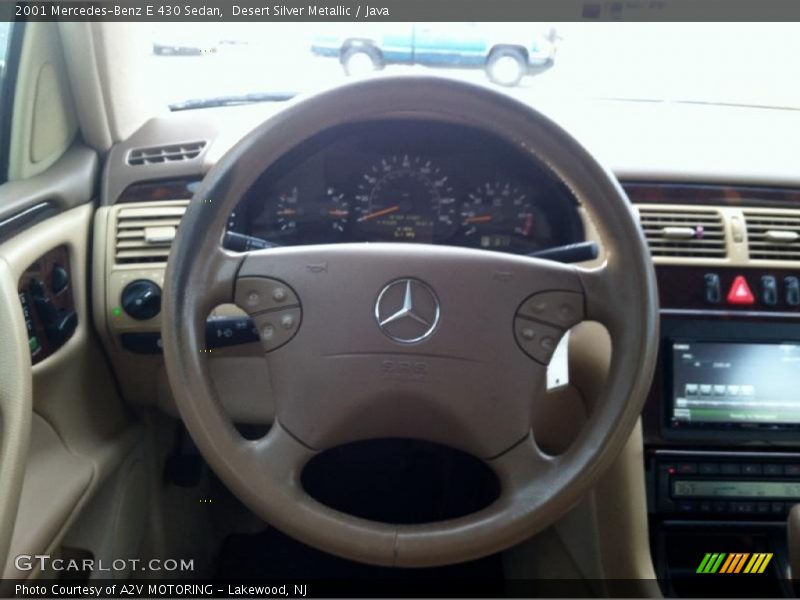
x,y
726,385
773,490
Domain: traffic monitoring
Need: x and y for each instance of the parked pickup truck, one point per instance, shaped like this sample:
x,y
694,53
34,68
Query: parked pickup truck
x,y
507,53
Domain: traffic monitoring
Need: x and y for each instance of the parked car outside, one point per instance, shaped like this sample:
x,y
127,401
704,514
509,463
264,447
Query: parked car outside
x,y
194,40
506,53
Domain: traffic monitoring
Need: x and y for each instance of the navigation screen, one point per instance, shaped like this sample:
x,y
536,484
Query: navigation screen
x,y
728,384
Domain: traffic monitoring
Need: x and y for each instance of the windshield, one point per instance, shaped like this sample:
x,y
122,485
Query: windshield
x,y
201,64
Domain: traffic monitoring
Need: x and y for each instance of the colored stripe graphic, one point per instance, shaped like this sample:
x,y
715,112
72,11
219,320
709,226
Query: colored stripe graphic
x,y
726,565
731,564
703,563
740,564
762,562
736,562
710,563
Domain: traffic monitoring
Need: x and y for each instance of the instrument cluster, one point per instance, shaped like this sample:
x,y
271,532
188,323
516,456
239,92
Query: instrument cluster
x,y
410,181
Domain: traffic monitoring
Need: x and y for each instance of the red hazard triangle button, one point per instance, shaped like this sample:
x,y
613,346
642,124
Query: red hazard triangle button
x,y
740,292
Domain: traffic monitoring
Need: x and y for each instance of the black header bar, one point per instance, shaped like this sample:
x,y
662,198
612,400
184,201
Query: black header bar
x,y
401,10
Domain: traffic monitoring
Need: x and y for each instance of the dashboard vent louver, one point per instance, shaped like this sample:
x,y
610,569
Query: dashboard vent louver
x,y
165,154
675,233
145,234
773,235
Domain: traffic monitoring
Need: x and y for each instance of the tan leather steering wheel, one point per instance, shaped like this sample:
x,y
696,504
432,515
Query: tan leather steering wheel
x,y
461,370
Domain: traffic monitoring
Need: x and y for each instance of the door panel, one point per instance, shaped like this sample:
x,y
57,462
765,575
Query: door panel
x,y
67,184
81,432
15,404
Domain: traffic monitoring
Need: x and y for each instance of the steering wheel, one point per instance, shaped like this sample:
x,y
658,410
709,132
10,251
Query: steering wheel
x,y
437,343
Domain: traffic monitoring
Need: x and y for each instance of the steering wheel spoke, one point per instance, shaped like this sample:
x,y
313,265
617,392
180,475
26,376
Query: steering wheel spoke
x,y
522,466
280,455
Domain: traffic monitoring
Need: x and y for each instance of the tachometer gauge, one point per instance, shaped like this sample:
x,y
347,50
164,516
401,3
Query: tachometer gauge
x,y
288,210
405,198
499,215
337,209
314,217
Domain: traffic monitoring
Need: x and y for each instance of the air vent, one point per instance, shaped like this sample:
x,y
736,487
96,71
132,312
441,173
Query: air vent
x,y
145,234
773,235
677,233
165,154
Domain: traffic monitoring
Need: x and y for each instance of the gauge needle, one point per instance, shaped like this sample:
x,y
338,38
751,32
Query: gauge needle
x,y
526,230
338,213
484,219
379,213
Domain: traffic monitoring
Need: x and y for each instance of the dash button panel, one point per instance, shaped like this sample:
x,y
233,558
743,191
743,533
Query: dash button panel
x,y
274,308
542,319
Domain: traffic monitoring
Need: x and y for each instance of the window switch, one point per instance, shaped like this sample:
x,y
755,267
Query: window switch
x,y
713,288
792,285
59,279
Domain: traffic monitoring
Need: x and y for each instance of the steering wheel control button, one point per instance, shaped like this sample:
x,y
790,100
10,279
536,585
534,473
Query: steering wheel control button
x,y
536,339
259,294
287,322
559,308
276,328
407,311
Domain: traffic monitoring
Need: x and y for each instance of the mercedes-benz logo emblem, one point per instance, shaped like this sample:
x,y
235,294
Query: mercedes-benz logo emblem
x,y
407,311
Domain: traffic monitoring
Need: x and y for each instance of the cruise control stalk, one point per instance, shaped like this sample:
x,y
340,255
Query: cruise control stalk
x,y
569,253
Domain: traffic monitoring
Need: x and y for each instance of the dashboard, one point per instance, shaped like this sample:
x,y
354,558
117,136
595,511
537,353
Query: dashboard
x,y
721,426
410,181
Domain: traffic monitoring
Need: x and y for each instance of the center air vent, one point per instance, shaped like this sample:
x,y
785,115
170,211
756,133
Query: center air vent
x,y
773,235
165,154
145,234
676,232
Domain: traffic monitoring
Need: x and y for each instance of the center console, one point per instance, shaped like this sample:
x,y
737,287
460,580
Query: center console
x,y
722,421
722,435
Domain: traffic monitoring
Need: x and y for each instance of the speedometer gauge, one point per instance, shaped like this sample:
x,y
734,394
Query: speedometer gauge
x,y
499,215
405,198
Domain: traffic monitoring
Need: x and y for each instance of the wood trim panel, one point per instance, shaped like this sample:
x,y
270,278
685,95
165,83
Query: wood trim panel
x,y
40,273
712,195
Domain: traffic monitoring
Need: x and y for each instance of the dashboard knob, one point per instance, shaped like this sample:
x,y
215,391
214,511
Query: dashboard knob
x,y
141,299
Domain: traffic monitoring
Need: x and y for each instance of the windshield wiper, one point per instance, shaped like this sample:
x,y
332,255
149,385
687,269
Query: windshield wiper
x,y
233,100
